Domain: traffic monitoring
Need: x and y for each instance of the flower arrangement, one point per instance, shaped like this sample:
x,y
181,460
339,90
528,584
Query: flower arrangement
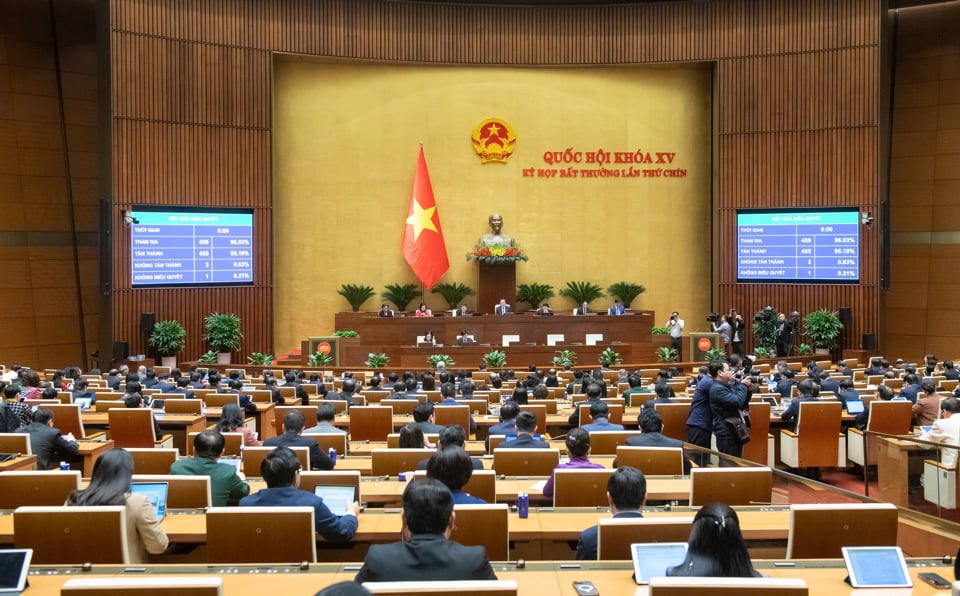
x,y
501,252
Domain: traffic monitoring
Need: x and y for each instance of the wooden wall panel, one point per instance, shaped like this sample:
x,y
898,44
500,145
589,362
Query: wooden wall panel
x,y
797,102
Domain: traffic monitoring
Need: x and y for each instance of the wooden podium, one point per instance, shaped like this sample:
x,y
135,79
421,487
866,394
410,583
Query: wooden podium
x,y
496,281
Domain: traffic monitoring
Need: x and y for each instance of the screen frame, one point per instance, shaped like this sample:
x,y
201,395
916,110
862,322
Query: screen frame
x,y
851,552
190,209
809,210
638,561
26,554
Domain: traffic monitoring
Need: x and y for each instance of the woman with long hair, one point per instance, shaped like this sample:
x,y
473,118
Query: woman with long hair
x,y
411,437
716,547
110,485
231,421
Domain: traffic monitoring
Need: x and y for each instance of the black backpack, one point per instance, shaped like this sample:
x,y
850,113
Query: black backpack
x,y
9,421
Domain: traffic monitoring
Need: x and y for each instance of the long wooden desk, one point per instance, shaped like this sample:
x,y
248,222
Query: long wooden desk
x,y
546,534
536,579
390,491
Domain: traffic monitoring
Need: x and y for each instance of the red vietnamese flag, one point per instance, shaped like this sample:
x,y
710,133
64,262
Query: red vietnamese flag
x,y
423,246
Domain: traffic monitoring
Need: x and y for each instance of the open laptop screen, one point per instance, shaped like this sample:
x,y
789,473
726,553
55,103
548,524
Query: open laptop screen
x,y
14,565
876,567
652,559
854,406
336,498
83,402
156,492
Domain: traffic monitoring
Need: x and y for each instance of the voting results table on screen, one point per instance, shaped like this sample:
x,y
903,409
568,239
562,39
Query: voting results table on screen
x,y
173,248
822,246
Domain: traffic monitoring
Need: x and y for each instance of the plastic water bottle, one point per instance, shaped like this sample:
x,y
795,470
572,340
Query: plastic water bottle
x,y
523,505
333,454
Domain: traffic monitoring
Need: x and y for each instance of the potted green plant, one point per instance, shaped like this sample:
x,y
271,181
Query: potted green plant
x,y
346,333
495,358
435,359
714,355
666,354
453,293
400,294
260,359
609,358
627,292
319,359
581,291
565,358
823,328
208,357
762,352
168,338
222,330
659,330
804,350
356,295
765,327
376,360
534,294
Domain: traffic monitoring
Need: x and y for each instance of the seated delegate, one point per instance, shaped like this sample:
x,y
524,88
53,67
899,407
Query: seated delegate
x,y
426,551
281,471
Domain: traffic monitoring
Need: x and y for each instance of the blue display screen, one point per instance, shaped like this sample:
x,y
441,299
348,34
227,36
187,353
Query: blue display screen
x,y
799,245
180,247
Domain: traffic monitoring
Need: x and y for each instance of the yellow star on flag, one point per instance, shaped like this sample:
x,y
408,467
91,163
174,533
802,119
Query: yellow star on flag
x,y
421,219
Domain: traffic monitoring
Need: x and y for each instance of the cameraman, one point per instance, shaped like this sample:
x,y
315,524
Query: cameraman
x,y
728,397
675,325
738,328
724,330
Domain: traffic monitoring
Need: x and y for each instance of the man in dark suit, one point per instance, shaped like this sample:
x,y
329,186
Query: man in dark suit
x,y
526,426
113,379
426,551
950,371
163,383
293,423
911,387
828,384
501,309
508,419
786,383
448,392
626,493
348,388
423,416
594,394
584,309
47,443
183,388
847,393
791,414
663,396
244,400
290,380
651,426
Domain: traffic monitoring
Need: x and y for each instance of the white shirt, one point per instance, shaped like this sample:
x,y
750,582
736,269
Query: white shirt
x,y
945,430
676,327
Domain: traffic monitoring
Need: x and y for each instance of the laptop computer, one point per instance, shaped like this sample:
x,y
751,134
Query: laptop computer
x,y
14,566
772,401
854,406
652,559
876,567
83,402
156,492
336,498
236,462
157,404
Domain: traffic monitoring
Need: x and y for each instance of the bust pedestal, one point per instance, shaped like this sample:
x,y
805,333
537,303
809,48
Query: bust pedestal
x,y
496,281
